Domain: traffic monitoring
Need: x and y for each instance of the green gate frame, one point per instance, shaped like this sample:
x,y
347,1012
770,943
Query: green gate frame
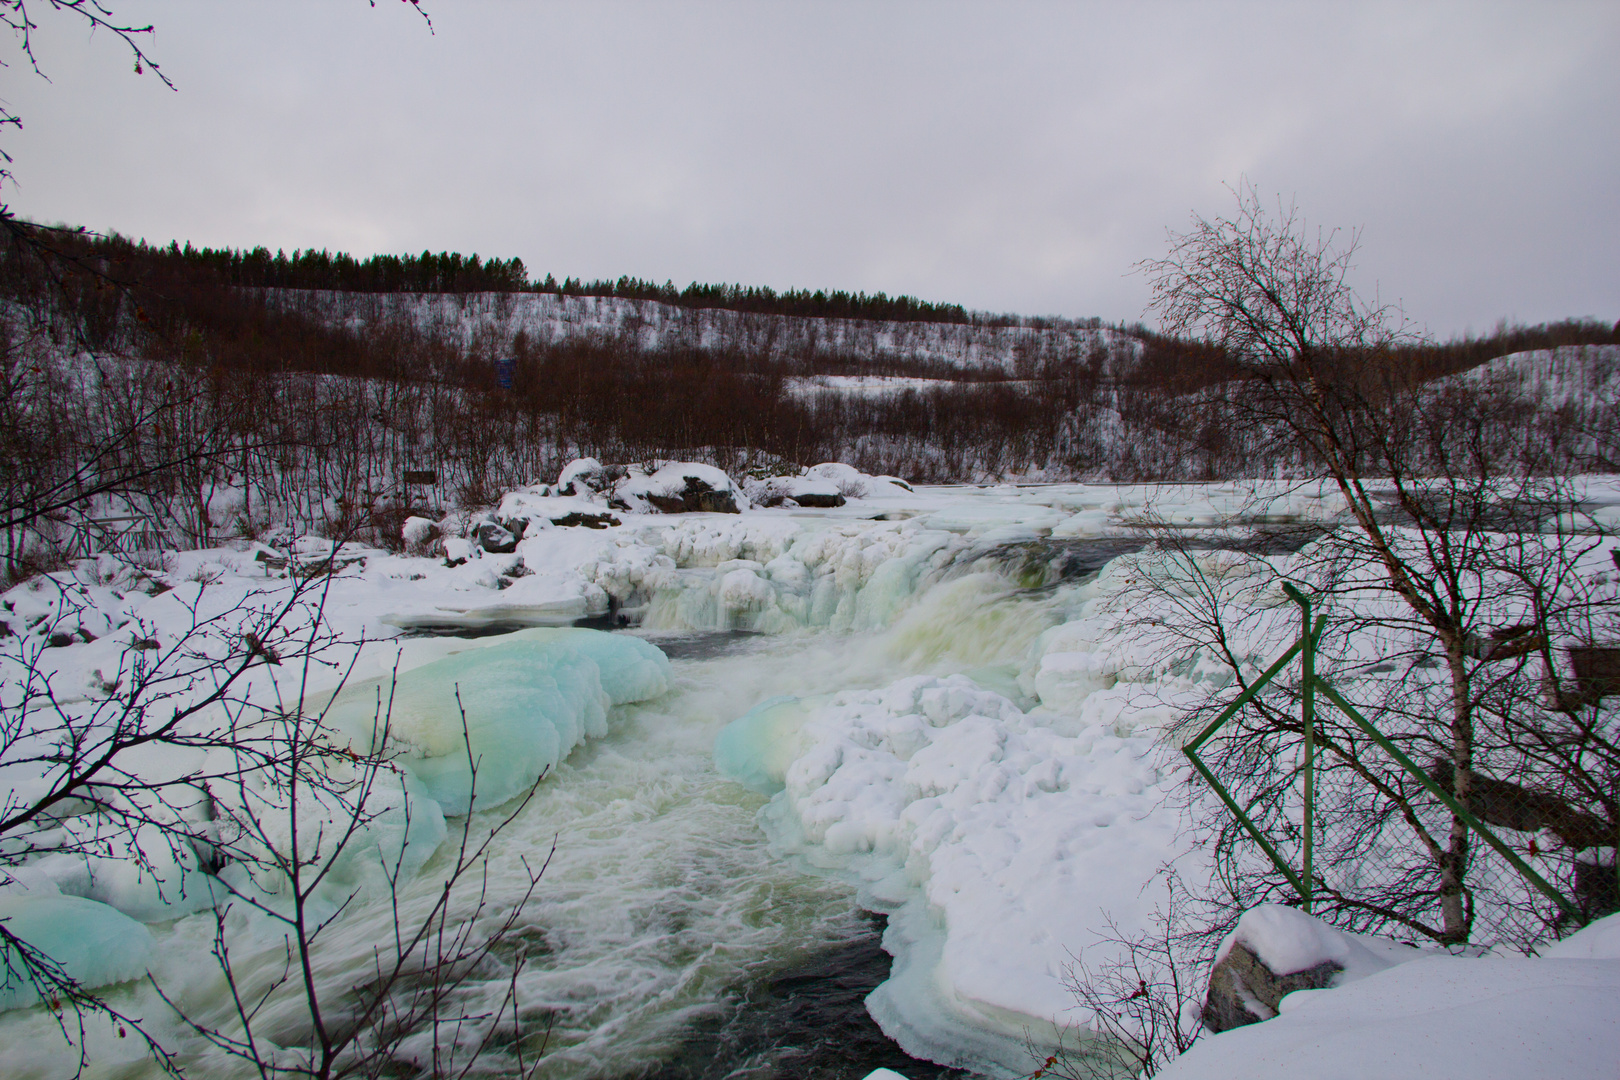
x,y
1310,685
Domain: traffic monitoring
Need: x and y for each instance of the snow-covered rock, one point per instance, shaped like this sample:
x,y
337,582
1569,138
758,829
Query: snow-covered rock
x,y
800,490
586,476
1276,951
855,484
681,487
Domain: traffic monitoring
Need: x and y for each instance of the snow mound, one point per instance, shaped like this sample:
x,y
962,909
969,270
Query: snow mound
x,y
854,484
1599,941
1486,1018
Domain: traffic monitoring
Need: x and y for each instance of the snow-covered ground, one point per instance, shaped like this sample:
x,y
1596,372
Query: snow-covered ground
x,y
1422,1014
921,701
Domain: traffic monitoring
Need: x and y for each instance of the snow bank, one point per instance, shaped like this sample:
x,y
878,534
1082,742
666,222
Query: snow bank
x,y
1486,1018
1600,941
854,484
994,842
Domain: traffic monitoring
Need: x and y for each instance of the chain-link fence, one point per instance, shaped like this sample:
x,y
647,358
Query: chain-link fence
x,y
1386,833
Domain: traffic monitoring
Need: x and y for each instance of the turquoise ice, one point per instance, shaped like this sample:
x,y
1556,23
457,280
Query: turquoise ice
x,y
528,700
756,748
93,944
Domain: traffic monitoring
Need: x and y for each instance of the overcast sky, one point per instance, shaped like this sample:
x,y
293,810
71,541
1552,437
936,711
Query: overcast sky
x,y
1007,156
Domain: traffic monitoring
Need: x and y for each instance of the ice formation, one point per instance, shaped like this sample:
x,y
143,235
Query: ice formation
x,y
356,830
94,944
526,702
993,839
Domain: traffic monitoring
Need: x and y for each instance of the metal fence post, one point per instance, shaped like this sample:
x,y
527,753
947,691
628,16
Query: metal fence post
x,y
1307,662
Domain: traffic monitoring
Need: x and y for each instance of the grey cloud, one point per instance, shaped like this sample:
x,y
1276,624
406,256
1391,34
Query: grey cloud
x,y
1007,156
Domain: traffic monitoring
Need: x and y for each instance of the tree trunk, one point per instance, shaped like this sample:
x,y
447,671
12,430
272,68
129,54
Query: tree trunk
x,y
1454,864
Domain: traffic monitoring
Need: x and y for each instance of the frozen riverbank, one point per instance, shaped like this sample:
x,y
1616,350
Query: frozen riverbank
x,y
939,712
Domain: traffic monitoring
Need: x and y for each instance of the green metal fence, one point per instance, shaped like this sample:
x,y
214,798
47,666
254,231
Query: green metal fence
x,y
1304,878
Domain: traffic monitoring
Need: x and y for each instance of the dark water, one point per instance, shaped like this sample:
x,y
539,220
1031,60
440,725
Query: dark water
x,y
808,1022
1038,564
702,645
1046,563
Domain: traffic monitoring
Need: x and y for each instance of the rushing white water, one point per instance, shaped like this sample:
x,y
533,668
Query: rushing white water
x,y
662,904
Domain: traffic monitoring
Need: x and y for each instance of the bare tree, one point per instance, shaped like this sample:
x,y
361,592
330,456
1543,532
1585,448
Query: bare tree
x,y
1462,551
1142,1003
291,824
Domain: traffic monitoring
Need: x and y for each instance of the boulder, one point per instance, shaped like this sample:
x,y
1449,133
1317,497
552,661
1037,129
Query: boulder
x,y
496,539
697,496
589,521
818,499
419,534
587,476
1243,990
793,491
679,487
1275,950
457,550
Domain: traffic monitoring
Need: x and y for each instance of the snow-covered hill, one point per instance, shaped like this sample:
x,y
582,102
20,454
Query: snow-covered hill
x,y
547,318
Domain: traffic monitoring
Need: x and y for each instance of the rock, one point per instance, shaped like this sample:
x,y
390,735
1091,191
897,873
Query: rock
x,y
419,534
270,558
818,500
457,551
680,487
793,491
495,539
589,521
587,476
1243,990
698,496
